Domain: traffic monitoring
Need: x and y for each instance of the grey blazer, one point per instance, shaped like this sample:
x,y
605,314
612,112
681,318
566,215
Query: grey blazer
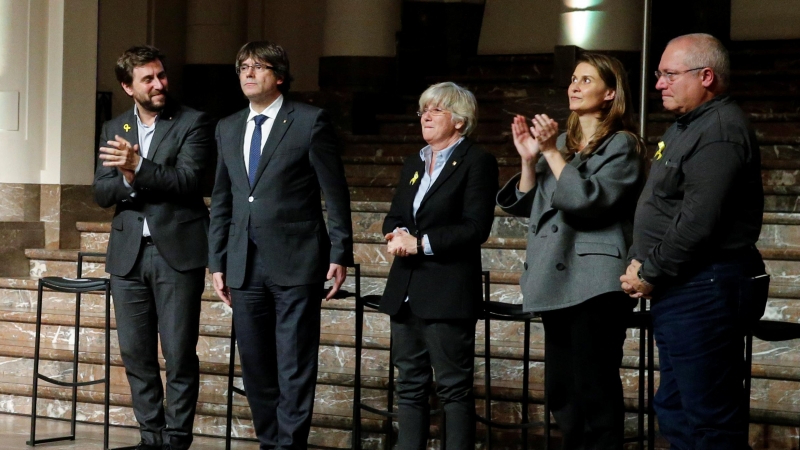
x,y
580,225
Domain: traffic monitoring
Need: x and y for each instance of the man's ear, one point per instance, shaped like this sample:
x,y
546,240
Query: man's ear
x,y
708,77
128,90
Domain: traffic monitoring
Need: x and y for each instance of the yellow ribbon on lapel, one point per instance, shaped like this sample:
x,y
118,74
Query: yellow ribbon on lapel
x,y
661,147
126,127
414,178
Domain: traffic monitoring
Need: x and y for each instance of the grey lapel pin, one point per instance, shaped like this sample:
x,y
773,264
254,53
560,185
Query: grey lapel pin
x,y
454,163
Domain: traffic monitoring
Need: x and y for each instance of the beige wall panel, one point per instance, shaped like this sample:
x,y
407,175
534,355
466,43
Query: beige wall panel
x,y
765,19
361,28
519,26
122,24
215,30
536,26
79,87
298,27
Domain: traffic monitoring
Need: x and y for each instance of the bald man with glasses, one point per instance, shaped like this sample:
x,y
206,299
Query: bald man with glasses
x,y
694,254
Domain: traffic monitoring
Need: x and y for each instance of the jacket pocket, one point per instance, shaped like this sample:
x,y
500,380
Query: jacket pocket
x,y
305,227
183,215
596,248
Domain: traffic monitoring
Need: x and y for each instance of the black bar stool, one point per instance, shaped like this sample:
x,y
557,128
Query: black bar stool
x,y
341,294
77,286
510,313
373,302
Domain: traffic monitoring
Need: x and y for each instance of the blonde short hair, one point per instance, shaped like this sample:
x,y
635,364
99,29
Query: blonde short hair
x,y
458,100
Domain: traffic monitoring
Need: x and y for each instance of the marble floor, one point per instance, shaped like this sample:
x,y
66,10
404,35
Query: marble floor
x,y
15,430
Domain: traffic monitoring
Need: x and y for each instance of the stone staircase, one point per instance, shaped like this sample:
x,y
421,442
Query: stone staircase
x,y
505,85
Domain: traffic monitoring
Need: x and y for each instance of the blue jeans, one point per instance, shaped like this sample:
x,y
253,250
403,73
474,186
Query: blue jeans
x,y
699,326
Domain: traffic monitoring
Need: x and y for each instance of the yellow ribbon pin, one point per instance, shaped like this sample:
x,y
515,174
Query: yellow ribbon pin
x,y
126,127
661,147
414,178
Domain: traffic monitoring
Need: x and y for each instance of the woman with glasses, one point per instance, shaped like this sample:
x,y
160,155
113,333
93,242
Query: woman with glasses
x,y
580,191
440,215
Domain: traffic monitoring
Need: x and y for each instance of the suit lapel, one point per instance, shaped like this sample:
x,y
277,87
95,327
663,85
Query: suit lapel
x,y
419,170
129,130
282,123
452,164
239,129
165,121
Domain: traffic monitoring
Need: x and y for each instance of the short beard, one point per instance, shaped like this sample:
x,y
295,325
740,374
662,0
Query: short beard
x,y
148,104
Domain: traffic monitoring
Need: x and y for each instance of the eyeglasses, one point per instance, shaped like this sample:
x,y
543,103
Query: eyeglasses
x,y
257,66
432,111
670,76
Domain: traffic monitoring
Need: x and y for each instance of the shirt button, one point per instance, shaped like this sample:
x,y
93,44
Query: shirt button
x,y
560,266
554,228
250,199
525,265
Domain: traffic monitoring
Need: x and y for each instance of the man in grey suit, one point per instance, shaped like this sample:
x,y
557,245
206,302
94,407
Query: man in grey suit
x,y
152,161
269,249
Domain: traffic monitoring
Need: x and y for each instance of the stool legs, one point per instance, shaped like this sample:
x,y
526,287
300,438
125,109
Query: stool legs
x,y
232,361
35,395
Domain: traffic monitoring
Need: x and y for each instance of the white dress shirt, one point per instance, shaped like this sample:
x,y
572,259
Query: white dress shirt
x,y
271,112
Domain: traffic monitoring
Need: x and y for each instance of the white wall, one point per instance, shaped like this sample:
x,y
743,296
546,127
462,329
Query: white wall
x,y
48,55
765,19
536,26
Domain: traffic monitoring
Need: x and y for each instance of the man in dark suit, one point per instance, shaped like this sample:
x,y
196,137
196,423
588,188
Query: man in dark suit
x,y
152,161
269,250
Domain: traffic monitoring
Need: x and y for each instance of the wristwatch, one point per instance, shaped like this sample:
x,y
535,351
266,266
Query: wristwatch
x,y
641,278
420,248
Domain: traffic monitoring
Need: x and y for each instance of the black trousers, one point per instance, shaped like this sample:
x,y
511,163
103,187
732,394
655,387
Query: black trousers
x,y
583,352
155,299
448,347
277,331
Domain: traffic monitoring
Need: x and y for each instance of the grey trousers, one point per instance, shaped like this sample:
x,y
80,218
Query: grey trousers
x,y
152,300
421,348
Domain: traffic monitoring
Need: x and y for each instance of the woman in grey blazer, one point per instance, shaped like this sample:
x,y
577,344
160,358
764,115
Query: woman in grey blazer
x,y
580,190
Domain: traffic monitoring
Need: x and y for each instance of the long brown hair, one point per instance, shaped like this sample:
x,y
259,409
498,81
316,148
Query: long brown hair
x,y
616,114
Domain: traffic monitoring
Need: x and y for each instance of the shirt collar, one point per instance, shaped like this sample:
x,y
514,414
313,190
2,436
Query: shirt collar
x,y
139,120
270,111
691,116
444,153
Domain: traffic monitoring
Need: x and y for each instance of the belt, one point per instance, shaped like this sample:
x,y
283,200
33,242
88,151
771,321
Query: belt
x,y
147,240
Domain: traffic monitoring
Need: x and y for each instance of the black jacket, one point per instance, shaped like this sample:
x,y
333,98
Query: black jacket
x,y
456,214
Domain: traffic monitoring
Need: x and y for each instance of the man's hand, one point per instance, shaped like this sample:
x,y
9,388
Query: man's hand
x,y
401,243
338,272
223,292
122,155
631,283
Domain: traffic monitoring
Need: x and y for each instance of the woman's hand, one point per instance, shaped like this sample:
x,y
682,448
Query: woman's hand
x,y
401,243
527,146
545,130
